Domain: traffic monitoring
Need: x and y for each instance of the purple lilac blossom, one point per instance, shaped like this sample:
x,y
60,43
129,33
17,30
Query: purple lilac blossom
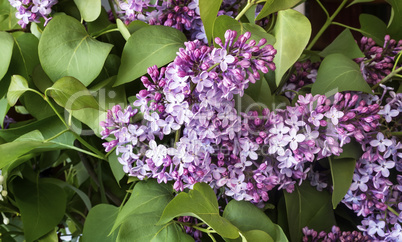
x,y
32,11
378,61
372,194
334,235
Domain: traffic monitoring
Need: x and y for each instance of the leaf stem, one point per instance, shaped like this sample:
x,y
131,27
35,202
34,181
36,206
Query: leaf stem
x,y
326,25
105,32
397,60
390,75
57,135
392,211
323,8
112,8
396,133
351,28
250,3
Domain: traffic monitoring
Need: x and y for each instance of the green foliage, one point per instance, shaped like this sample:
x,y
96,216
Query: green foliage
x,y
99,222
308,207
273,6
343,44
342,173
209,11
17,87
6,45
89,9
200,203
373,27
292,32
394,26
66,49
247,217
338,73
71,94
142,50
41,204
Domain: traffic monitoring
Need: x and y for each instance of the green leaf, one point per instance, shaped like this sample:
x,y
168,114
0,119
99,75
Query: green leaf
x,y
256,235
17,87
292,32
6,45
8,21
99,223
123,29
208,12
42,206
344,44
153,45
40,79
201,203
89,9
25,55
84,197
136,25
116,166
37,107
308,207
66,49
342,174
359,1
50,237
21,146
147,197
260,92
142,227
373,27
71,94
4,107
106,96
395,26
248,217
351,150
339,73
272,6
224,22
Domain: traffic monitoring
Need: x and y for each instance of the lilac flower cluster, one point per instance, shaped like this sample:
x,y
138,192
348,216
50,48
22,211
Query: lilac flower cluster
x,y
194,98
376,188
335,235
183,15
316,127
32,11
378,61
305,73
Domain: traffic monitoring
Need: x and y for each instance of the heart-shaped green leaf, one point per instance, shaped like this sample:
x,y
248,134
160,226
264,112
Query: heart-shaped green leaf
x,y
201,203
71,94
338,73
66,49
